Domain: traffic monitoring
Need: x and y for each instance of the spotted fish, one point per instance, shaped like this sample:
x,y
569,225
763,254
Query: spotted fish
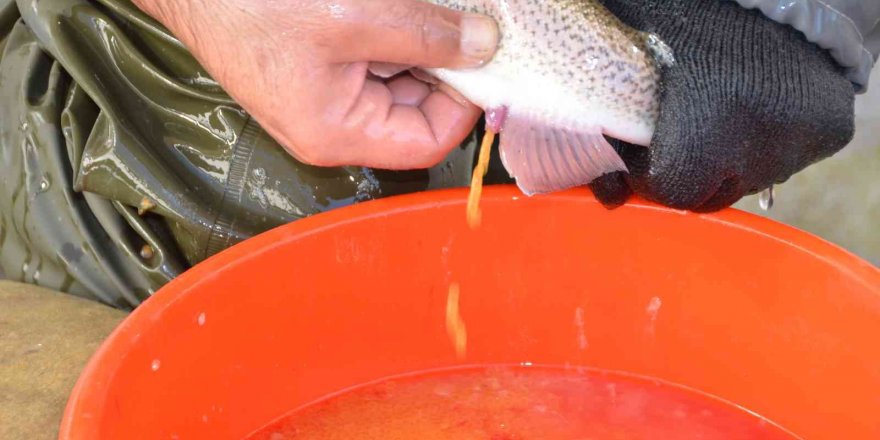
x,y
566,73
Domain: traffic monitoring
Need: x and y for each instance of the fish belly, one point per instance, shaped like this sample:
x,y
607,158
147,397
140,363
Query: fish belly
x,y
566,75
550,101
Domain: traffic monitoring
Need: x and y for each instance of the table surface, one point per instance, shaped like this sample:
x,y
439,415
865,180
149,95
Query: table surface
x,y
46,338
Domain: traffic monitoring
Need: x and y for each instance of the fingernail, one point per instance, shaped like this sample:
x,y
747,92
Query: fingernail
x,y
479,37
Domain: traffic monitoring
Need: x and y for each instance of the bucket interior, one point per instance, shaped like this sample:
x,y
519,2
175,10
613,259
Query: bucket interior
x,y
730,304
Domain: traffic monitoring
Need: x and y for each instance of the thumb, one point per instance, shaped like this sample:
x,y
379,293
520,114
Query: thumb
x,y
413,33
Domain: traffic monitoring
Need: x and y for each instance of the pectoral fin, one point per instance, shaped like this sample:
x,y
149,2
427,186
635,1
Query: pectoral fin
x,y
546,159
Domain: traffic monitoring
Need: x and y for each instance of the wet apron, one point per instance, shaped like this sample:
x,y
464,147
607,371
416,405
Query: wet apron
x,y
122,163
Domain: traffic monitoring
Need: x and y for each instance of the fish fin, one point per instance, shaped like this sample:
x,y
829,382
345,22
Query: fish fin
x,y
546,159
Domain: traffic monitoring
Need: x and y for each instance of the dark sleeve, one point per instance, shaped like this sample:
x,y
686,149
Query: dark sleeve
x,y
849,29
103,112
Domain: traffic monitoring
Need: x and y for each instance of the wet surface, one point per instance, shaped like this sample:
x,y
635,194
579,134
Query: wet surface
x,y
515,402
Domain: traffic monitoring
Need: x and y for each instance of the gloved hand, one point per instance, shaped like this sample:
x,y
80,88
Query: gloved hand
x,y
748,103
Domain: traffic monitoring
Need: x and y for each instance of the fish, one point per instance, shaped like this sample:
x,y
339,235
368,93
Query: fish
x,y
566,74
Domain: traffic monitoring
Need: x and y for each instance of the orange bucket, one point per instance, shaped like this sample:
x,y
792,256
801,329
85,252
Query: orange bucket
x,y
731,304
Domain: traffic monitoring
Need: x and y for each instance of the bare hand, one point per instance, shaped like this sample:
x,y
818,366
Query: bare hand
x,y
300,67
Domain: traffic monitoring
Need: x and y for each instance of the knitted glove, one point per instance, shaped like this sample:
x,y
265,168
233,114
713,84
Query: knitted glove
x,y
748,103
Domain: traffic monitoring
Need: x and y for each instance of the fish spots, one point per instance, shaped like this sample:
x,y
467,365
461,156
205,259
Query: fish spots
x,y
578,53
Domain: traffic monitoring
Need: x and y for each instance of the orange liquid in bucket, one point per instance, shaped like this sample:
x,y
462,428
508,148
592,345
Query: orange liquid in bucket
x,y
514,403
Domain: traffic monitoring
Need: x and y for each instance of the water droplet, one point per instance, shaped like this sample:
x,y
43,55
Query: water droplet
x,y
580,325
145,206
525,364
37,276
24,126
147,252
612,392
155,365
592,63
45,184
25,267
661,51
654,306
653,310
363,191
766,199
201,319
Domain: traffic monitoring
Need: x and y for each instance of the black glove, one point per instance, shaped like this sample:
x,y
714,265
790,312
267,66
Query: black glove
x,y
748,103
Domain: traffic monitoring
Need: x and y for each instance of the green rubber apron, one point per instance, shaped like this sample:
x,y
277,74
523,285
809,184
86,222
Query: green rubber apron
x,y
104,114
